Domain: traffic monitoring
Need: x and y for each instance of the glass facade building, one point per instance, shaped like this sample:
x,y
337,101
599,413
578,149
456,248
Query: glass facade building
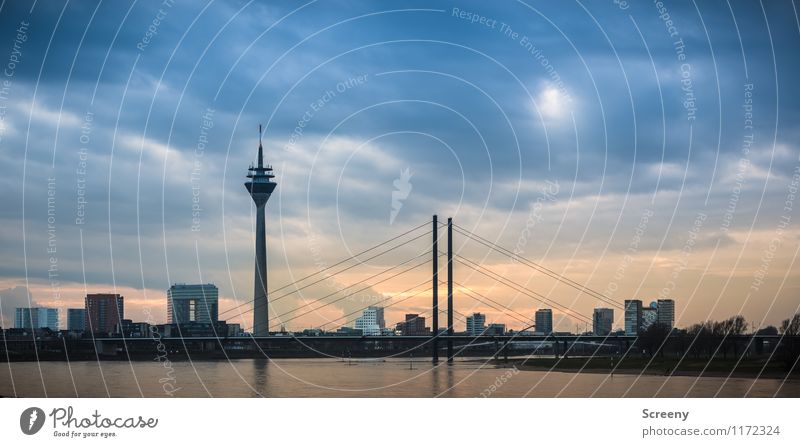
x,y
544,321
603,321
192,303
36,318
633,317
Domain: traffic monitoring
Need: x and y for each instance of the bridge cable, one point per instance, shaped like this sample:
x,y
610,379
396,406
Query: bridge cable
x,y
345,296
539,267
524,319
334,265
535,295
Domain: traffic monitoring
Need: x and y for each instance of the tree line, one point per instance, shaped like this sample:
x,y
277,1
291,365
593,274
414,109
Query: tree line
x,y
711,339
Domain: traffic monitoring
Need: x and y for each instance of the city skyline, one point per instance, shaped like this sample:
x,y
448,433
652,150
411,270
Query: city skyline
x,y
604,187
196,303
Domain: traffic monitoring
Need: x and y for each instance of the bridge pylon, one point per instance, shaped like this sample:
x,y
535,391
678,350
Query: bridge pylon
x,y
450,288
435,291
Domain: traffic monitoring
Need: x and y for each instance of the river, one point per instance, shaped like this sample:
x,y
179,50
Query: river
x,y
362,378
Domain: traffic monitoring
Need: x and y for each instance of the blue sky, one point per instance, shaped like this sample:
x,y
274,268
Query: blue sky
x,y
486,105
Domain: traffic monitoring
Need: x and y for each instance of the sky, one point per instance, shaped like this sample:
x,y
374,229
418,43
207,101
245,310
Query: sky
x,y
645,150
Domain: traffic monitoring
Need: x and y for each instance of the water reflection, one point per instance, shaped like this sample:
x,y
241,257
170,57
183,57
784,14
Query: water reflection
x,y
260,377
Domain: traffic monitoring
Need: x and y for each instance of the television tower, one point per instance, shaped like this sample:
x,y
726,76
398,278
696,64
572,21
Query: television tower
x,y
260,187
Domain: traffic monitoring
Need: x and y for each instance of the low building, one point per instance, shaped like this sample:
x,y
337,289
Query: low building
x,y
187,330
348,331
496,329
130,329
234,330
413,325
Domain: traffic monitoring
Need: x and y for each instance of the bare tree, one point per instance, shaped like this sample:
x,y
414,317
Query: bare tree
x,y
653,338
723,330
701,335
791,326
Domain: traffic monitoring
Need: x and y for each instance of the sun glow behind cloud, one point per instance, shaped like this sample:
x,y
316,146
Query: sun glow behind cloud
x,y
552,103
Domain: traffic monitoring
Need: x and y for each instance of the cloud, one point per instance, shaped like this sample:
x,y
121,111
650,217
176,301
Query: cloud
x,y
12,298
478,118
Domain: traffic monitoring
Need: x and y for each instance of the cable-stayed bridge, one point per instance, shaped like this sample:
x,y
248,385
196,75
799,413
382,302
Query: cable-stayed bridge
x,y
414,263
442,341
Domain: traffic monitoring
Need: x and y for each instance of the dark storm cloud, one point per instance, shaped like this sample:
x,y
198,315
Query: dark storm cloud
x,y
473,111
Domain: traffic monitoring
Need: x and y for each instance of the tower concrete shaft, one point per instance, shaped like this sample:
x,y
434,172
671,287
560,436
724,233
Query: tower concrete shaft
x,y
260,188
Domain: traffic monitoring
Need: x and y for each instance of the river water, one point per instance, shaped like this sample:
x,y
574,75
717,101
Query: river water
x,y
337,378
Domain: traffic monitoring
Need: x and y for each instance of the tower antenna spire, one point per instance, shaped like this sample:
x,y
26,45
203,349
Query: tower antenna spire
x,y
260,150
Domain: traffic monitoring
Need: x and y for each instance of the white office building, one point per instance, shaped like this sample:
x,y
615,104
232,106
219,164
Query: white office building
x,y
476,324
371,322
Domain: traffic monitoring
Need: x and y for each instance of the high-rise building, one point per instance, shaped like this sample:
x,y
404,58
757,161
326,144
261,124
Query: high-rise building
x,y
649,315
260,187
104,312
36,318
192,303
76,319
544,321
371,321
476,324
49,317
666,313
633,317
26,318
603,321
413,325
